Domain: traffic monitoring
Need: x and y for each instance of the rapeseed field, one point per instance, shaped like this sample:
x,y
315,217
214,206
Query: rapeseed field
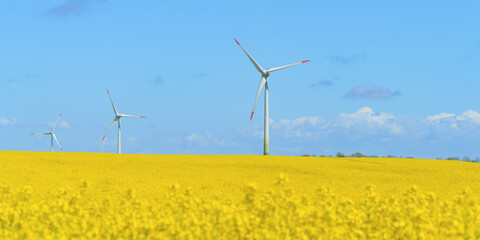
x,y
97,196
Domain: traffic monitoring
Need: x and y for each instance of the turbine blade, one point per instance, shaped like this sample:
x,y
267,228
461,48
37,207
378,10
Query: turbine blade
x,y
113,105
262,83
285,66
251,59
56,140
126,115
114,120
56,122
40,133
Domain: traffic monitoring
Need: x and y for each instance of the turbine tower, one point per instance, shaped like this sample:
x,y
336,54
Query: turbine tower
x,y
264,81
117,118
52,135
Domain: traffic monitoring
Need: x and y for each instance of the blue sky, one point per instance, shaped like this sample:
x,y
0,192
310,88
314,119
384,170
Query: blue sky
x,y
384,78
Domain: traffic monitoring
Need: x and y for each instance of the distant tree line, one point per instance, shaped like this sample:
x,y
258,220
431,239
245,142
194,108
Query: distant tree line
x,y
354,155
465,159
360,155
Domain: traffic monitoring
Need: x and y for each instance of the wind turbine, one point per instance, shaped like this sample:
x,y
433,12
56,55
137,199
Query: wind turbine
x,y
117,118
264,81
52,134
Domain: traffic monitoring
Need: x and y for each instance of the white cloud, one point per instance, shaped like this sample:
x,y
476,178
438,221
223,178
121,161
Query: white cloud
x,y
366,117
8,122
362,122
467,122
363,115
363,130
440,116
366,123
470,116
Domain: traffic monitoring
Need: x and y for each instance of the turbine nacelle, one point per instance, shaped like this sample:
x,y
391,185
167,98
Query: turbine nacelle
x,y
265,73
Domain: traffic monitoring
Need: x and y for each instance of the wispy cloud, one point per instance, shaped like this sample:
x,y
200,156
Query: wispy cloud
x,y
204,140
64,124
61,124
8,122
346,59
325,82
322,84
371,92
196,139
71,7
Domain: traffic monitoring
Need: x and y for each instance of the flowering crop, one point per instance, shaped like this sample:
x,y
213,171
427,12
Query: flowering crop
x,y
126,197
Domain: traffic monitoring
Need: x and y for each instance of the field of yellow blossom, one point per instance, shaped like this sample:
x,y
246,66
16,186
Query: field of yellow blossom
x,y
97,196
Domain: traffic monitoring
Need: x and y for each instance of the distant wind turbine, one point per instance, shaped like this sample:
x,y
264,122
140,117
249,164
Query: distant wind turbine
x,y
52,134
117,119
264,81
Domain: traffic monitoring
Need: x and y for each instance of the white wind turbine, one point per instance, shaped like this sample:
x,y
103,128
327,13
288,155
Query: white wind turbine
x,y
265,73
52,135
117,119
